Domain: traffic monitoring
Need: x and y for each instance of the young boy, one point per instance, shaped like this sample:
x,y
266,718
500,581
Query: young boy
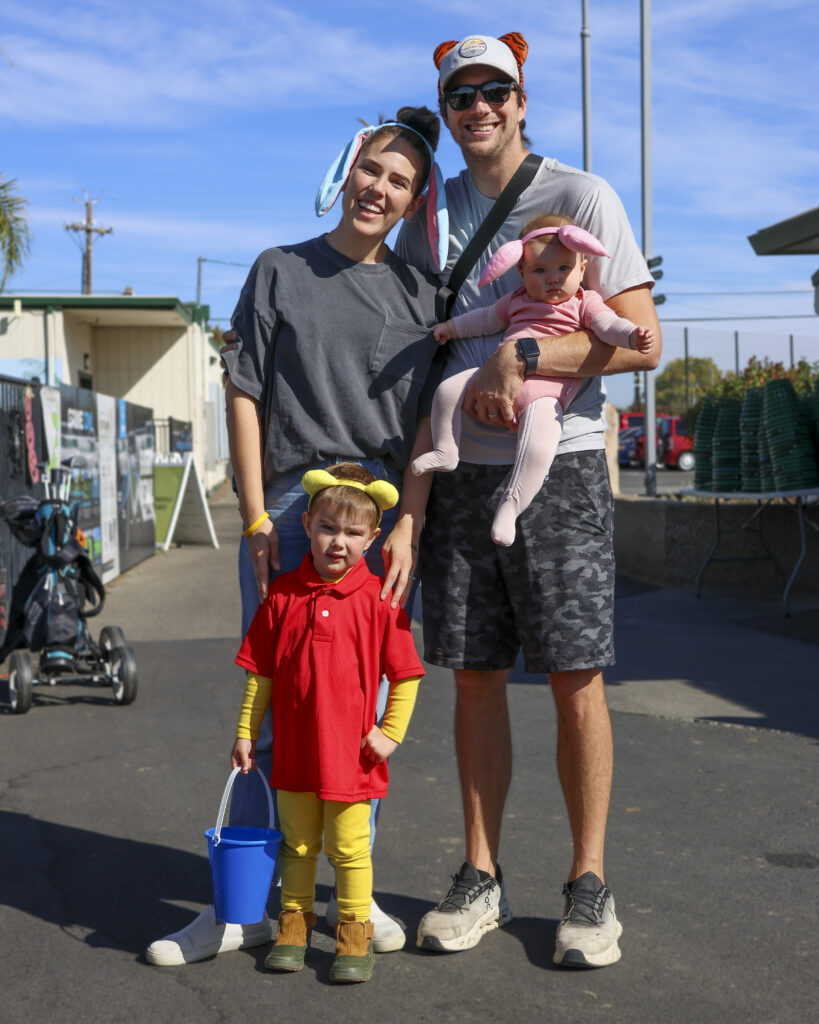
x,y
316,650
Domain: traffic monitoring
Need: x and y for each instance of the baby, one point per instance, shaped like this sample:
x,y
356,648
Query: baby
x,y
551,255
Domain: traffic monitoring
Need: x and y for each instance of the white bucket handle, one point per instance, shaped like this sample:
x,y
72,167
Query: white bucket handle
x,y
226,796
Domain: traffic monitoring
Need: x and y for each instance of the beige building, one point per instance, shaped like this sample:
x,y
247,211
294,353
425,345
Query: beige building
x,y
153,351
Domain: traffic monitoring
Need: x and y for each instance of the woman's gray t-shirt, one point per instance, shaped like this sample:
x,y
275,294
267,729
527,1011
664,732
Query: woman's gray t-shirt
x,y
337,353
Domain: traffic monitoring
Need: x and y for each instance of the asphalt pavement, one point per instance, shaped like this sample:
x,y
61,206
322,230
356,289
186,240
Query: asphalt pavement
x,y
712,849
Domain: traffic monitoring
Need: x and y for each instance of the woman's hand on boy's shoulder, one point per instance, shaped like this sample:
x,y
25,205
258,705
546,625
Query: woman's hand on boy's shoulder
x,y
400,558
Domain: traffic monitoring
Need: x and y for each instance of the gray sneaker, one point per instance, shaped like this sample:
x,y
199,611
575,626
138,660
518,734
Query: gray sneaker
x,y
588,933
470,908
504,910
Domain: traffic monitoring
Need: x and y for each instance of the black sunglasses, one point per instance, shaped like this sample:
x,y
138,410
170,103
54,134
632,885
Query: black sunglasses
x,y
463,96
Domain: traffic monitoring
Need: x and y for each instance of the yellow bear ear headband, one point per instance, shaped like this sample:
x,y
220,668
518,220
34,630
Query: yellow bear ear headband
x,y
381,492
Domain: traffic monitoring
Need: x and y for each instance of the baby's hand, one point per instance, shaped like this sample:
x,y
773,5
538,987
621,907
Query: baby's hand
x,y
642,338
377,746
443,332
243,755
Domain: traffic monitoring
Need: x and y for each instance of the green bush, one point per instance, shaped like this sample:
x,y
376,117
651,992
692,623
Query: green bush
x,y
755,375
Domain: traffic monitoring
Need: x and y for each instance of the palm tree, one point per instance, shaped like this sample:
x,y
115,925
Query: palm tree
x,y
15,238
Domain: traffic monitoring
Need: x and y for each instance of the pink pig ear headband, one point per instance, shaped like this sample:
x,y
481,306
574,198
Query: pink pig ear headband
x,y
437,217
509,255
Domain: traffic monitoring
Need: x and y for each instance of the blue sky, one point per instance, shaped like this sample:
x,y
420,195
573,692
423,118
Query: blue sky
x,y
203,130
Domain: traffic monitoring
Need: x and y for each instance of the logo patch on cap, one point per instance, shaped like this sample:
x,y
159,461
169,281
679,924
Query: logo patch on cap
x,y
472,47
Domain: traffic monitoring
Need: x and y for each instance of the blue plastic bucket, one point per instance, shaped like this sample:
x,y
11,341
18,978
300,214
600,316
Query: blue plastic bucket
x,y
242,861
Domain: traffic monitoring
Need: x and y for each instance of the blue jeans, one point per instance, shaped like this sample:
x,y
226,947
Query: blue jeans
x,y
286,504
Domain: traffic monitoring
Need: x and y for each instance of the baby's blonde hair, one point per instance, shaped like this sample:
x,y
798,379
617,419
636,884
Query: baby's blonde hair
x,y
545,220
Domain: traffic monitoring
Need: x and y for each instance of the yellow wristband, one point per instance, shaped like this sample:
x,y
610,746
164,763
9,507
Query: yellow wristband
x,y
255,526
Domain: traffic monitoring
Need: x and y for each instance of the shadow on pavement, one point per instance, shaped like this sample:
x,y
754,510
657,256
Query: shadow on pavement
x,y
102,890
732,659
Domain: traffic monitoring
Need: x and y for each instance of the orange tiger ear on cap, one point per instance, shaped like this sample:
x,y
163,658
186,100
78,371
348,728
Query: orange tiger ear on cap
x,y
519,47
517,44
442,50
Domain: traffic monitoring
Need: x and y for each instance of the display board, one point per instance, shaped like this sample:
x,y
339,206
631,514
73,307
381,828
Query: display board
x,y
182,513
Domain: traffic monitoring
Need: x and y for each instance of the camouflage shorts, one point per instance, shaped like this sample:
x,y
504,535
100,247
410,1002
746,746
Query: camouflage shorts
x,y
551,593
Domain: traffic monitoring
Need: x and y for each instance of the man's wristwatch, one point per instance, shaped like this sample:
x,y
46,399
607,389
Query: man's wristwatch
x,y
529,351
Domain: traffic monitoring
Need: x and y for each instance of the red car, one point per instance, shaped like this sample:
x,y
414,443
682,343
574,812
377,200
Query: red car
x,y
631,419
675,444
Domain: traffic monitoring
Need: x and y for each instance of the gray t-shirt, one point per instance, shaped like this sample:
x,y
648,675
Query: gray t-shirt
x,y
337,354
590,202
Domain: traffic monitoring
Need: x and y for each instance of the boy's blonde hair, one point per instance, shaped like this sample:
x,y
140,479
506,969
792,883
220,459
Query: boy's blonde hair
x,y
347,502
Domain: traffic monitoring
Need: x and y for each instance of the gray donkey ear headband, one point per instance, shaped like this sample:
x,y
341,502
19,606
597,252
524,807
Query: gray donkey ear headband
x,y
437,217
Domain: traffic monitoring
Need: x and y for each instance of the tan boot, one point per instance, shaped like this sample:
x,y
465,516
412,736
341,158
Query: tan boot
x,y
354,950
292,941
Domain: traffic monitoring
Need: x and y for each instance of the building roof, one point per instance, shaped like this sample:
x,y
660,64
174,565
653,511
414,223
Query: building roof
x,y
799,234
114,310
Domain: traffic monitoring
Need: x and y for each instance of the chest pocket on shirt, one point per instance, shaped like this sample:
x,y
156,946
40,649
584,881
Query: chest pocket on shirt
x,y
404,352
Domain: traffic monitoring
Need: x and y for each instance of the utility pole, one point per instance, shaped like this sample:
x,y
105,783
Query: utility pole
x,y
90,229
204,259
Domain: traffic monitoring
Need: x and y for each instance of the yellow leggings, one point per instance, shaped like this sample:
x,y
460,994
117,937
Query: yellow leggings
x,y
346,827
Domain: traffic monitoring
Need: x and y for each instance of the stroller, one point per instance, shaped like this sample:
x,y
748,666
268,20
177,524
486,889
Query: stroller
x,y
57,592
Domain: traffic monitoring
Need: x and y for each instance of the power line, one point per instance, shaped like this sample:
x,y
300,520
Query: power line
x,y
787,291
769,316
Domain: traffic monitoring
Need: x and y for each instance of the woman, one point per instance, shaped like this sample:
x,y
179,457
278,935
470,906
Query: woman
x,y
332,355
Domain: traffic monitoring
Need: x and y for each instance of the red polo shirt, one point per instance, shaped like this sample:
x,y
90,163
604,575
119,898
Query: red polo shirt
x,y
326,647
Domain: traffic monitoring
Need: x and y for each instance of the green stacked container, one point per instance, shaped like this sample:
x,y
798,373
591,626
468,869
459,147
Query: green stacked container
x,y
726,473
789,433
706,421
806,405
810,406
816,408
766,476
750,428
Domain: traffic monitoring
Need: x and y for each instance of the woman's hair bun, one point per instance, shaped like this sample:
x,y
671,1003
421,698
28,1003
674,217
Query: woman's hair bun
x,y
424,121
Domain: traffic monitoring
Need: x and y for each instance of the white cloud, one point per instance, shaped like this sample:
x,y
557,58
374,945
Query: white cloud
x,y
92,69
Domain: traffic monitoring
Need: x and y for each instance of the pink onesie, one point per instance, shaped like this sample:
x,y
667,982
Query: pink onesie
x,y
523,317
540,403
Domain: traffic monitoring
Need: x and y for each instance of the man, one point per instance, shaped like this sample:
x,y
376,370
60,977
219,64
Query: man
x,y
552,591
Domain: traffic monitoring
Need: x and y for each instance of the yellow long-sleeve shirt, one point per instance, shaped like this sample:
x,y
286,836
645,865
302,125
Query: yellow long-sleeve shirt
x,y
256,701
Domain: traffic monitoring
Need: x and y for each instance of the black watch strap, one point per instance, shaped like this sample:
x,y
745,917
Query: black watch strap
x,y
529,351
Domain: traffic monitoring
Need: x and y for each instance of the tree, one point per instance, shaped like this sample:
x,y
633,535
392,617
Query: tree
x,y
669,386
15,238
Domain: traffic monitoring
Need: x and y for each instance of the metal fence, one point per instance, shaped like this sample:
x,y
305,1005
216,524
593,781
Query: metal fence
x,y
173,435
732,349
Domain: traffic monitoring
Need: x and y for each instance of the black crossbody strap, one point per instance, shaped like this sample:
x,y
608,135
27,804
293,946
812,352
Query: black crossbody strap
x,y
501,208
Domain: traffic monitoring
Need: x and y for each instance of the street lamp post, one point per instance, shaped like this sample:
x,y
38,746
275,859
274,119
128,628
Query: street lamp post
x,y
584,55
645,122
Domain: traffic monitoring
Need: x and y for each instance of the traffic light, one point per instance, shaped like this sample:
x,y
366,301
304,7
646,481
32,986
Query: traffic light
x,y
654,266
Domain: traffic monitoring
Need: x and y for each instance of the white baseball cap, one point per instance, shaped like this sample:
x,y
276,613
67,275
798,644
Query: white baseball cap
x,y
475,50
